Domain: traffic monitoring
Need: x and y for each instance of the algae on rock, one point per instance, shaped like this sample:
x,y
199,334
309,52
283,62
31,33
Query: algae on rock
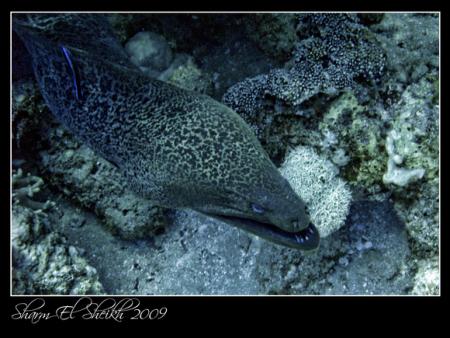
x,y
358,133
416,128
43,262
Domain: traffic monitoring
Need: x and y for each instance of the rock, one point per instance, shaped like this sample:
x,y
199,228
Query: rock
x,y
274,33
184,73
380,262
149,50
43,262
427,279
414,145
410,41
200,255
96,184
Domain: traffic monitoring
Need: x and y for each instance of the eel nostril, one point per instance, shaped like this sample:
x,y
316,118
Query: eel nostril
x,y
295,224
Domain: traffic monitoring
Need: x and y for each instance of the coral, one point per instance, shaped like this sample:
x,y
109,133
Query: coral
x,y
247,95
336,51
247,98
420,212
415,138
187,75
352,136
153,55
181,30
408,148
42,260
415,128
394,174
340,158
427,279
273,32
314,179
24,189
411,44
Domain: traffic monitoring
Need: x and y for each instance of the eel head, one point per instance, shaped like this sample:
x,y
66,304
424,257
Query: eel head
x,y
275,213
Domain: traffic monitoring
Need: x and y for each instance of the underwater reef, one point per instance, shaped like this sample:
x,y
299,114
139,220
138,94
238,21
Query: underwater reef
x,y
345,105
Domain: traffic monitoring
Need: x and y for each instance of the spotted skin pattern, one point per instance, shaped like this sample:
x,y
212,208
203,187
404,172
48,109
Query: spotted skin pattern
x,y
176,148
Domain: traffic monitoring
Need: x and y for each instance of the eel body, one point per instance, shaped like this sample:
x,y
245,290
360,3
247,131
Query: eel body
x,y
176,148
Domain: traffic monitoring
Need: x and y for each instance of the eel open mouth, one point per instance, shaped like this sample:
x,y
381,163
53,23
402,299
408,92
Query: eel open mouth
x,y
306,239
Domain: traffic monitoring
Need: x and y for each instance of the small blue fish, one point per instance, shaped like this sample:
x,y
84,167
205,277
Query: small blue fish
x,y
75,76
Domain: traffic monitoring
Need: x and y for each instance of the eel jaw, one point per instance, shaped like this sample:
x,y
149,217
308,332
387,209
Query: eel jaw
x,y
306,239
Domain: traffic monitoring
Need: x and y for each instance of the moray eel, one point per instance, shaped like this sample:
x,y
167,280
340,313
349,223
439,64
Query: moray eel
x,y
177,148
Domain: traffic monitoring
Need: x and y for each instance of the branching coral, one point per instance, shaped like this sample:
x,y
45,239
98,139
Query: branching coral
x,y
394,174
24,189
43,262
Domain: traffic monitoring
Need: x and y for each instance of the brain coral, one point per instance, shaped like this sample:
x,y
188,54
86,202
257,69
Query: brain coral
x,y
314,179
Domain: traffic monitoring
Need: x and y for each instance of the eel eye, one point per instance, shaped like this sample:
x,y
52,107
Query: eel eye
x,y
257,209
